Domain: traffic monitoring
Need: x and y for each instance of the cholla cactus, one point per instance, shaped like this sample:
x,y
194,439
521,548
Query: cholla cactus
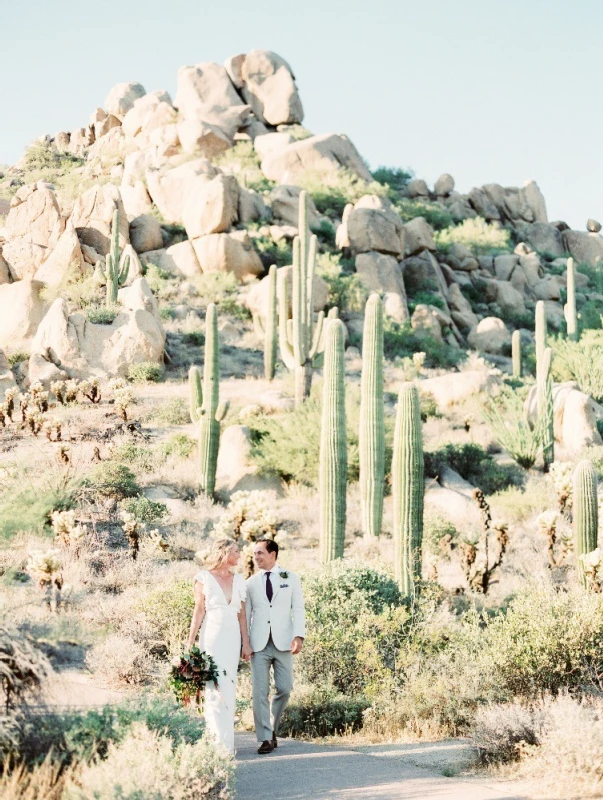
x,y
58,390
558,534
39,397
53,426
24,400
247,518
592,568
418,360
156,541
9,397
561,473
91,390
72,389
3,415
66,531
117,383
132,529
45,568
35,422
123,398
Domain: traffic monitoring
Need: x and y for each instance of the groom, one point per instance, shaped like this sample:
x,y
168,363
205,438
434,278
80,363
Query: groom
x,y
276,622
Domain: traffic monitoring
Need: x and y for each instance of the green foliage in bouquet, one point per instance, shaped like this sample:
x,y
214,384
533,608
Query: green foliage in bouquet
x,y
188,678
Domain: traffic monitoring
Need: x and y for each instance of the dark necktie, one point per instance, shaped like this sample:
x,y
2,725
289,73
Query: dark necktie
x,y
268,587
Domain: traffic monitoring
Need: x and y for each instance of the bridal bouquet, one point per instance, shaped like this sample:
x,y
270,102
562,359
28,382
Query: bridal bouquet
x,y
189,674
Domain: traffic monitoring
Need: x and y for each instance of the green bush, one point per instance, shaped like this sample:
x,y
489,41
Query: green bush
x,y
331,199
145,372
325,233
580,361
271,252
145,510
77,736
401,341
426,298
432,213
233,308
322,712
168,610
481,237
474,465
28,509
179,444
213,287
110,479
17,357
590,315
102,315
395,178
139,456
170,412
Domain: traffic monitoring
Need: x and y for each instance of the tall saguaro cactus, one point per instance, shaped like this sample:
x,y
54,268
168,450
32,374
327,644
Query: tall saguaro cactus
x,y
269,328
371,436
333,464
544,395
540,332
408,489
571,319
516,353
115,273
205,408
299,337
586,520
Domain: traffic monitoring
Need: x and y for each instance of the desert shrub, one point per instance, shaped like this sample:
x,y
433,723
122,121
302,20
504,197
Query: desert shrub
x,y
347,187
44,162
474,465
274,252
346,290
395,178
145,372
168,611
179,444
502,730
239,158
580,361
321,711
433,213
233,308
426,298
171,412
590,315
213,287
138,455
76,736
145,510
111,479
28,508
120,660
481,237
437,532
17,357
508,423
325,232
401,341
146,764
43,782
156,277
102,315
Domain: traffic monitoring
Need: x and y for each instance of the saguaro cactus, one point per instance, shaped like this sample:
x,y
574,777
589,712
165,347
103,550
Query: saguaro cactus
x,y
586,520
571,319
269,328
516,353
408,488
333,463
114,273
371,436
205,408
540,332
299,337
544,395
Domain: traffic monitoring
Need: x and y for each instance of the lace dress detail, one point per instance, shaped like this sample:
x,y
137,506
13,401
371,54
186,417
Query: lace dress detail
x,y
220,636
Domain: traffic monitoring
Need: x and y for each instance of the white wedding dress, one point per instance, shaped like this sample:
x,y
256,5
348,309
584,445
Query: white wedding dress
x,y
220,637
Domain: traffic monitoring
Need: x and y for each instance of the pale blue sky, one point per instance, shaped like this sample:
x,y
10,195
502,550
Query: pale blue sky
x,y
490,92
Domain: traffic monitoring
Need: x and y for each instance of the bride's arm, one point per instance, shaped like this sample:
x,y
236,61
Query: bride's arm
x,y
198,613
246,651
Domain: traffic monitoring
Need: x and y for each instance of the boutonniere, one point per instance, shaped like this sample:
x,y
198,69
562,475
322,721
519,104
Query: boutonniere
x,y
284,574
283,586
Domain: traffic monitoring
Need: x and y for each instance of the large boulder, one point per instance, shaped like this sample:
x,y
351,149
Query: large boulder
x,y
322,156
444,185
202,138
145,233
148,112
32,227
169,188
258,298
267,83
179,259
424,272
584,247
455,387
426,319
418,236
251,207
81,348
228,252
121,98
65,262
284,201
460,308
235,470
382,273
92,217
372,225
21,311
211,206
490,335
202,85
271,142
575,417
545,238
505,295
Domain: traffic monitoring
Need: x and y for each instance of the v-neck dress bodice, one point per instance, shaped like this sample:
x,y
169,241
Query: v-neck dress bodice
x,y
220,637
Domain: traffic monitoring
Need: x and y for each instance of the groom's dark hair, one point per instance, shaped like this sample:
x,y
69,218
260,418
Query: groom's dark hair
x,y
271,545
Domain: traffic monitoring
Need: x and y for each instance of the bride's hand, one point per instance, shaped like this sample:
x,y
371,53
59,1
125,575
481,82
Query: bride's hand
x,y
246,652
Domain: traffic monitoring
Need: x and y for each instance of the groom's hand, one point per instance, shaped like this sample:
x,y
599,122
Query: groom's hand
x,y
296,645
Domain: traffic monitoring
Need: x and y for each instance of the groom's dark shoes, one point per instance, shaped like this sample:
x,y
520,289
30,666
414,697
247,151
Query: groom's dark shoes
x,y
274,742
265,747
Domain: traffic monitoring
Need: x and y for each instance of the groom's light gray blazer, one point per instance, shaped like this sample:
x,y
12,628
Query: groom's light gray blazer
x,y
284,617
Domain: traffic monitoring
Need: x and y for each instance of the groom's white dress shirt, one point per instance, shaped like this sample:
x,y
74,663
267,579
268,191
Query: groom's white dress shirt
x,y
284,617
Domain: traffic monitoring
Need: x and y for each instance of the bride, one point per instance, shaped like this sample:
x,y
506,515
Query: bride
x,y
220,613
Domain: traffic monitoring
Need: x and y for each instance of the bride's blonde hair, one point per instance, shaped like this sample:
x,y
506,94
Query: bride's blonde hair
x,y
217,551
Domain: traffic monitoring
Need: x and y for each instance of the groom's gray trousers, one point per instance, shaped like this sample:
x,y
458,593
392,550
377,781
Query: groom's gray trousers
x,y
282,663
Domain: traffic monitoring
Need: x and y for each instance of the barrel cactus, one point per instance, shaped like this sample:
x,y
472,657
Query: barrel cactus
x,y
585,512
115,272
371,437
408,490
205,408
333,463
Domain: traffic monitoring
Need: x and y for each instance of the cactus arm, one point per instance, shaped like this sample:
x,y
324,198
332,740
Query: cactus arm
x,y
124,272
195,393
317,335
516,353
271,328
222,410
540,332
211,385
545,408
570,307
284,336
